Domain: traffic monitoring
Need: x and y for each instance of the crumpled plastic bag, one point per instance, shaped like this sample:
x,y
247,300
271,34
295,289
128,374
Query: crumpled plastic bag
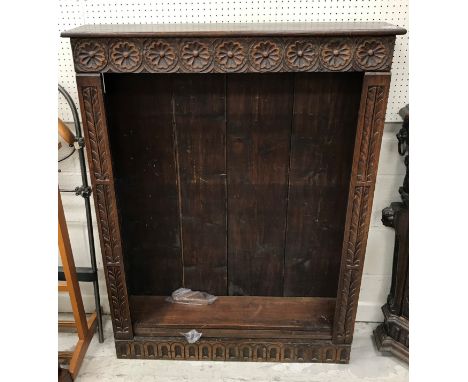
x,y
192,336
189,297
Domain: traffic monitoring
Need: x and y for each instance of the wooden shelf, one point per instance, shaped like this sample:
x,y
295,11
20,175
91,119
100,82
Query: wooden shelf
x,y
284,316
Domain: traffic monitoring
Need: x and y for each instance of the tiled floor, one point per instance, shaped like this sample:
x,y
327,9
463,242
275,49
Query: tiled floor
x,y
367,364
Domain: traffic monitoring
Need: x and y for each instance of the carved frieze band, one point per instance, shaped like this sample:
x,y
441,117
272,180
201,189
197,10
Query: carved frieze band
x,y
106,209
356,234
205,350
202,55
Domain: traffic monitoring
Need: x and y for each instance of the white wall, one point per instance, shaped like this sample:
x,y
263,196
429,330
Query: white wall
x,y
377,267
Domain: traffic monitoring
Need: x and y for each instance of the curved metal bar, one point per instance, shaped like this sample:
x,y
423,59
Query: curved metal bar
x,y
74,110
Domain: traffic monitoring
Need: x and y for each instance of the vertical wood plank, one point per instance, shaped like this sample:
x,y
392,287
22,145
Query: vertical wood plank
x,y
370,126
200,127
259,111
323,132
93,112
140,121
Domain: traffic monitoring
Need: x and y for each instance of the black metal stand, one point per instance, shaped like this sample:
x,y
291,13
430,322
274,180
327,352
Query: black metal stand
x,y
85,274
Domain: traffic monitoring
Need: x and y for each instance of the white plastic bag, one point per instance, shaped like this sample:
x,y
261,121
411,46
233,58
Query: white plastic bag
x,y
190,297
192,336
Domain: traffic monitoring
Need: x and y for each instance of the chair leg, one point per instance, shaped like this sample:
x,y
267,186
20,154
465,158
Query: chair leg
x,y
82,347
85,328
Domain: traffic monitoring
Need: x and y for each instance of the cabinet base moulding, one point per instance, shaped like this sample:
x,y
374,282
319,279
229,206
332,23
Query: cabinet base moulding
x,y
385,343
218,349
392,336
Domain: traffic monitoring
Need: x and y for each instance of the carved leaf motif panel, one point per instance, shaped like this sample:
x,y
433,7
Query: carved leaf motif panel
x,y
349,292
374,139
105,203
374,115
97,140
107,216
355,240
106,210
203,55
118,300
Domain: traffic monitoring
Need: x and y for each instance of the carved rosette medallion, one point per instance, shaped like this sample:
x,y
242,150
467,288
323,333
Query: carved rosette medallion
x,y
336,54
230,55
301,55
160,56
195,55
371,54
125,56
265,55
90,56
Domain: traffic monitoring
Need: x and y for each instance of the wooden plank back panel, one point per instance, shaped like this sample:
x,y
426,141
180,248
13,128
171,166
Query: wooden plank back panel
x,y
233,183
325,118
259,111
139,110
199,128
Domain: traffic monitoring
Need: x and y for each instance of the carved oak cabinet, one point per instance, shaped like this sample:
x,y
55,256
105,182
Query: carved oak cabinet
x,y
240,160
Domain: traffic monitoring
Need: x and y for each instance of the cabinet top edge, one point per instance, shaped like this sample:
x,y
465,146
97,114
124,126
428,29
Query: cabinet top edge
x,y
345,29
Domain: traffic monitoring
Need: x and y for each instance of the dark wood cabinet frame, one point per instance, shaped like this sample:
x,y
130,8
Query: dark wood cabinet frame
x,y
237,48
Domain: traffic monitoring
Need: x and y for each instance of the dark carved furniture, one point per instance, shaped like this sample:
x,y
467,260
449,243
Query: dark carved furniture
x,y
393,335
237,159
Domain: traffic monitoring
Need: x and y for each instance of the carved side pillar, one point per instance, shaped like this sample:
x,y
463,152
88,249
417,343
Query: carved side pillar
x,y
371,120
100,167
393,335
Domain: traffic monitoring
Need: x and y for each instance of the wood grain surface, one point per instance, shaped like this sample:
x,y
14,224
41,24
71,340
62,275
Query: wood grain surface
x,y
199,127
236,312
259,112
237,29
322,141
143,152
